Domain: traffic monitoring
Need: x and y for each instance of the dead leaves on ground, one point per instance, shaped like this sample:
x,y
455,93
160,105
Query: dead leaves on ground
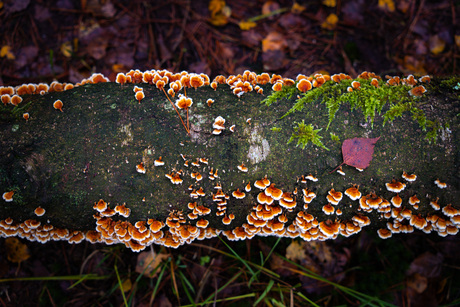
x,y
16,251
148,263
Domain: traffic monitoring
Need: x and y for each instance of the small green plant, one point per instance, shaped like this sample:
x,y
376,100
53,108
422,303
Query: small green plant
x,y
275,129
305,134
286,93
335,137
368,98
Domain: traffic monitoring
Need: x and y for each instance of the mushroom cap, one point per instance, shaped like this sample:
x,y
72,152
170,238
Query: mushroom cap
x,y
413,200
384,233
353,193
440,184
408,177
39,211
202,223
275,193
337,195
328,209
100,206
395,186
8,196
304,85
140,168
58,105
396,201
417,91
238,194
183,102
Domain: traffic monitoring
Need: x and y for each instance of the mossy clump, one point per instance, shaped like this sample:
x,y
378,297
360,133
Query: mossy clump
x,y
306,133
369,97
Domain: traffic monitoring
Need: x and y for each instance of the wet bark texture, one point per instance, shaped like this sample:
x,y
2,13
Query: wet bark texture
x,y
66,161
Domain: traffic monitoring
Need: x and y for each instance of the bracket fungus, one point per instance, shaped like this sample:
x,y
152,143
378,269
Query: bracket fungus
x,y
186,197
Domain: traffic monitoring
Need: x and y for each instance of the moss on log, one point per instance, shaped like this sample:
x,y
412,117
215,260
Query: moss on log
x,y
65,162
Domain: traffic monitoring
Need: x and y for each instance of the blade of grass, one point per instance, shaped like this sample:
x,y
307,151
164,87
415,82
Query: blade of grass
x,y
307,299
184,285
265,270
261,297
187,282
263,261
239,297
120,285
173,278
160,277
221,288
238,256
51,278
358,295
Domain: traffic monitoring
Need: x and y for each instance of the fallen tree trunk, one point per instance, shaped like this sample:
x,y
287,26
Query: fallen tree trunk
x,y
101,143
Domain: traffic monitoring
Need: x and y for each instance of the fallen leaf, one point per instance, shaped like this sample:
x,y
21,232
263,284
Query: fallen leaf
x,y
295,252
216,6
358,152
387,5
269,7
436,44
16,251
126,285
330,22
66,49
148,263
330,3
6,52
274,41
247,25
297,8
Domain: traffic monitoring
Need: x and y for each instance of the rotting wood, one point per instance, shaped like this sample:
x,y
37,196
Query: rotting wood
x,y
65,162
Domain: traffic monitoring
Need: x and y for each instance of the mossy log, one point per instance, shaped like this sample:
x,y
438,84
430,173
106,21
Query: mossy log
x,y
66,161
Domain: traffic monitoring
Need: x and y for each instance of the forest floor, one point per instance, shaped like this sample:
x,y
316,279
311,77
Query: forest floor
x,y
67,41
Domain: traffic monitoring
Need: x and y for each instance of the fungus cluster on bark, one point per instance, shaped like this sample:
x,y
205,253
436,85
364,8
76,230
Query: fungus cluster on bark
x,y
272,211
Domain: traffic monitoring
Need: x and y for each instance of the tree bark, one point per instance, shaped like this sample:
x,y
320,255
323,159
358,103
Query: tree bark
x,y
65,162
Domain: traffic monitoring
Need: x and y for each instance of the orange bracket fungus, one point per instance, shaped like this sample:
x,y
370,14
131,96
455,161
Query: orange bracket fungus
x,y
133,177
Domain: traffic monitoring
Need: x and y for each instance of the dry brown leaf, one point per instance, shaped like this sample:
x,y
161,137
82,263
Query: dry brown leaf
x,y
247,25
273,41
16,251
436,44
387,5
295,251
148,261
330,22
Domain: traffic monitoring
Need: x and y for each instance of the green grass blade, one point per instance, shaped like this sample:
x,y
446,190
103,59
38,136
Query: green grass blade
x,y
222,288
307,299
120,285
262,296
53,278
238,256
239,297
160,277
185,285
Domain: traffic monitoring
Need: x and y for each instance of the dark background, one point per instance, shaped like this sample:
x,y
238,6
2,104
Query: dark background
x,y
67,41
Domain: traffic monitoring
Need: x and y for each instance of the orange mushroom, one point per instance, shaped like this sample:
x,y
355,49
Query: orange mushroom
x,y
58,105
395,186
238,194
139,96
441,185
408,177
140,168
39,211
8,196
353,193
417,91
304,85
